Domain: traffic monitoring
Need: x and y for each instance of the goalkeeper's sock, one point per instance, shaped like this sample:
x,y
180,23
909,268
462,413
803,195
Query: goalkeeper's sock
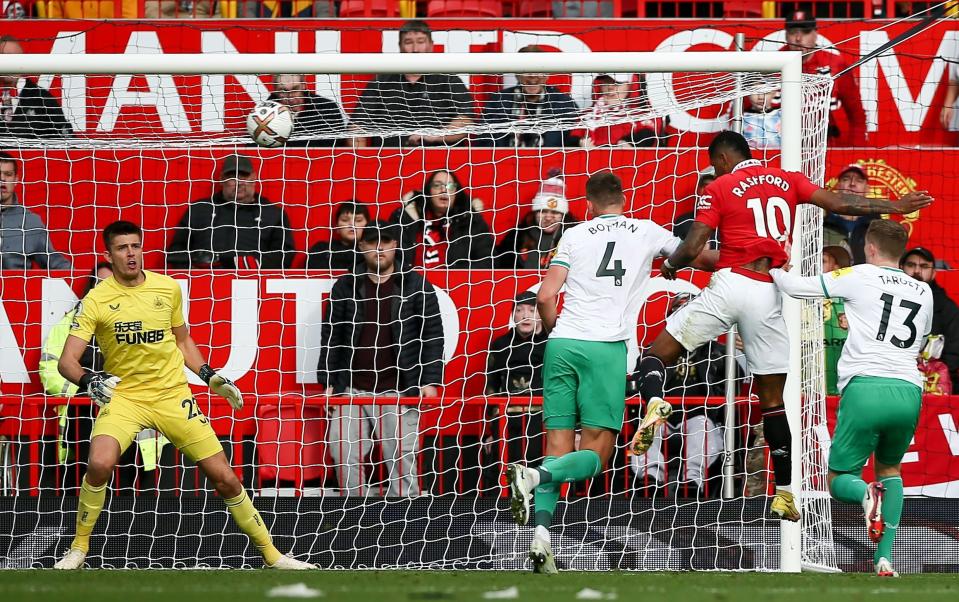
x,y
652,374
88,510
251,523
779,440
545,497
848,488
891,514
574,466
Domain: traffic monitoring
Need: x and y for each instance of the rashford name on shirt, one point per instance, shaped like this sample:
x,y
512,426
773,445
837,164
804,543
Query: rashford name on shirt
x,y
748,182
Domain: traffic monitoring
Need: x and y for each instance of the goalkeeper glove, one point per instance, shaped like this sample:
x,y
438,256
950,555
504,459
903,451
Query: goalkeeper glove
x,y
222,386
99,386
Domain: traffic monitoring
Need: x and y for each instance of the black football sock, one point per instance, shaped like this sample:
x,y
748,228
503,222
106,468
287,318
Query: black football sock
x,y
652,374
779,440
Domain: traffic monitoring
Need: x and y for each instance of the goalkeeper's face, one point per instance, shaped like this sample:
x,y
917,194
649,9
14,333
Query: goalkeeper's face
x,y
126,256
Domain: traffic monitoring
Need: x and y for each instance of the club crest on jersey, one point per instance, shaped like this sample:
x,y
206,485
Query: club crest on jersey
x,y
157,303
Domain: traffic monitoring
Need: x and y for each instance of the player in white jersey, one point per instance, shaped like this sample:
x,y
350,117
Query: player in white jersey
x,y
605,264
889,315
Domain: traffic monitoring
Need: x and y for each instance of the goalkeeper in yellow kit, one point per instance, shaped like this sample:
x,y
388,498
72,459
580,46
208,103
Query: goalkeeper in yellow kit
x,y
137,318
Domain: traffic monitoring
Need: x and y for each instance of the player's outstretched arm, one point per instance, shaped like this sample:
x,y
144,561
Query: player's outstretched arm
x,y
845,203
800,287
689,250
193,359
547,296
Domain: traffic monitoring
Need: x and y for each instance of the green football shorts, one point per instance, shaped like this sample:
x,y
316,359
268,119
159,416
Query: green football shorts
x,y
584,384
876,415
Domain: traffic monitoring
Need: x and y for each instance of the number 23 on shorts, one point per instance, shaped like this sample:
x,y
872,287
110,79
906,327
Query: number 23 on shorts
x,y
193,410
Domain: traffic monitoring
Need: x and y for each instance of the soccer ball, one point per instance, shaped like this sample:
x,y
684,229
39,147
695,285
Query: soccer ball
x,y
270,124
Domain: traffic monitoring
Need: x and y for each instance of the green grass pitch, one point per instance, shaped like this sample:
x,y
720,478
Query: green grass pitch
x,y
389,586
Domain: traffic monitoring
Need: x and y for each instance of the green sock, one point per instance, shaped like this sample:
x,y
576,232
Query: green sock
x,y
848,488
545,498
891,513
574,466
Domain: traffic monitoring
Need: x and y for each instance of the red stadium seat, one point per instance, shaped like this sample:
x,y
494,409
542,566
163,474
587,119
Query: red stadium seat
x,y
746,9
464,8
368,8
291,443
535,8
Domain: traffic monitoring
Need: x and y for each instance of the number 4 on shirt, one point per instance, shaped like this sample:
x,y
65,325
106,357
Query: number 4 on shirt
x,y
618,270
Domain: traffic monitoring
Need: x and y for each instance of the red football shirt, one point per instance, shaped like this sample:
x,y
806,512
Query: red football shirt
x,y
754,209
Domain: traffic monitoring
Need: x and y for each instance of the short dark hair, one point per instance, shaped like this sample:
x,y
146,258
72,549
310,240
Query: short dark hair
x,y
119,228
605,188
416,26
355,207
6,158
728,140
889,236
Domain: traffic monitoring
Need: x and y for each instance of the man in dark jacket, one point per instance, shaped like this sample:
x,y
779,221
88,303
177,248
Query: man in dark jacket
x,y
340,252
531,100
920,263
441,227
849,231
382,334
235,228
26,109
314,115
24,240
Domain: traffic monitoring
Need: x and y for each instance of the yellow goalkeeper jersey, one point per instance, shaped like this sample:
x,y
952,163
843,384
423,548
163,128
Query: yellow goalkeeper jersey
x,y
133,326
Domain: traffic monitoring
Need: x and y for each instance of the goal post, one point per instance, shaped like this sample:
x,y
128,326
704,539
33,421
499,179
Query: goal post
x,y
707,82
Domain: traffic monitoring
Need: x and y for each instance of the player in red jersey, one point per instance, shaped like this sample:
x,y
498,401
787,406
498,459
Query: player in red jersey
x,y
754,209
802,36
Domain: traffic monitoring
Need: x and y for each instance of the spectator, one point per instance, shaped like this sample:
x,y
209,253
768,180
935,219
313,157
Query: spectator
x,y
28,110
835,326
531,100
802,36
615,120
442,227
762,121
514,368
382,334
314,115
340,252
947,116
24,240
531,244
301,9
235,228
920,263
408,102
692,429
685,221
849,231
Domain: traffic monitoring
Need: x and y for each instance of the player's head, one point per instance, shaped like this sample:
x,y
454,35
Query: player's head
x,y
604,193
239,179
351,218
525,315
123,242
853,179
919,263
801,34
9,174
378,246
416,37
885,241
727,150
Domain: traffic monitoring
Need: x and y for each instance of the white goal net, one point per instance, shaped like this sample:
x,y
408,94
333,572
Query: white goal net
x,y
379,419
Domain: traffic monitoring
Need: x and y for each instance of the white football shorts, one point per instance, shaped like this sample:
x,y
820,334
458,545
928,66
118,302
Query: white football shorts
x,y
736,297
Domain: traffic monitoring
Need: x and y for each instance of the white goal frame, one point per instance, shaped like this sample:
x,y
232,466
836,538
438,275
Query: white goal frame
x,y
787,64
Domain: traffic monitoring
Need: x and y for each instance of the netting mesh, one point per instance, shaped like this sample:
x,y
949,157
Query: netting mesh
x,y
376,475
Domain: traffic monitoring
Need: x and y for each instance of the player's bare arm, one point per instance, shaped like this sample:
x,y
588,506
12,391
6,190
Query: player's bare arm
x,y
193,359
548,295
689,250
99,386
845,203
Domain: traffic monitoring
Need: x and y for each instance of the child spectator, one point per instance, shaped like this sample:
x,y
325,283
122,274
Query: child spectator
x,y
340,252
531,244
